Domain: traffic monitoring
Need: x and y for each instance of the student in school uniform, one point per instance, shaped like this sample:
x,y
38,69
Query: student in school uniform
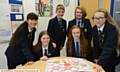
x,y
57,28
77,45
84,23
105,40
19,50
44,47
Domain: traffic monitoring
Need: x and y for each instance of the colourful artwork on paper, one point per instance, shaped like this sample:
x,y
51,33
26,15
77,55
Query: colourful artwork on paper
x,y
44,7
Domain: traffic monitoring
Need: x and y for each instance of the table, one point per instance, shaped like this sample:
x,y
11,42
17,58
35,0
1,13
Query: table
x,y
62,62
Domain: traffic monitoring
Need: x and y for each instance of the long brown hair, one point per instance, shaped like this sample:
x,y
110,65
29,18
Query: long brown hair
x,y
110,20
83,42
38,46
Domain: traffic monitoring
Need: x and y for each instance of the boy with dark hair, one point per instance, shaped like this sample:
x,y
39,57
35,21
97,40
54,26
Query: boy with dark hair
x,y
19,50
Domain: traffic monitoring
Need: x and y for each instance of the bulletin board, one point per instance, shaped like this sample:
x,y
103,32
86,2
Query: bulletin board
x,y
16,13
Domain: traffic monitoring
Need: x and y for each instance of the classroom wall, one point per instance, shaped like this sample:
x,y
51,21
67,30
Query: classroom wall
x,y
5,31
90,6
107,4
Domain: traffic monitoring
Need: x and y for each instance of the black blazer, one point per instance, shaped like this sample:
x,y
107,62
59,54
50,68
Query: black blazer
x,y
106,53
72,53
51,52
57,32
86,27
19,49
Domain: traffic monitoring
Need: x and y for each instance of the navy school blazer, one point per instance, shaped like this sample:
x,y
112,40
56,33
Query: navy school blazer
x,y
57,32
51,52
86,25
21,43
106,53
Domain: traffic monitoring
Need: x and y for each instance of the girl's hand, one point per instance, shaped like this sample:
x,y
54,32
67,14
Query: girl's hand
x,y
54,45
44,58
98,68
29,63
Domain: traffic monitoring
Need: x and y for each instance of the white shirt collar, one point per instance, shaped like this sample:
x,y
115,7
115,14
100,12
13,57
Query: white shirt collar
x,y
78,20
59,18
43,49
76,40
29,29
101,28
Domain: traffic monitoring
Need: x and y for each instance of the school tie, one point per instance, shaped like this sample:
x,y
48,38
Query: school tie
x,y
60,21
61,25
80,22
77,49
101,37
45,52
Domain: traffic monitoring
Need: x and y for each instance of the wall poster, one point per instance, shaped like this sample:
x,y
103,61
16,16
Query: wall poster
x,y
16,13
44,7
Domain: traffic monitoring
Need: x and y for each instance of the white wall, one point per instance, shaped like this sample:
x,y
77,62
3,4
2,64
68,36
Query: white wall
x,y
5,31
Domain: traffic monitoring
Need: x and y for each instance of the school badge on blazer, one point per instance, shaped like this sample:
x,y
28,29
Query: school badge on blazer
x,y
82,25
49,54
